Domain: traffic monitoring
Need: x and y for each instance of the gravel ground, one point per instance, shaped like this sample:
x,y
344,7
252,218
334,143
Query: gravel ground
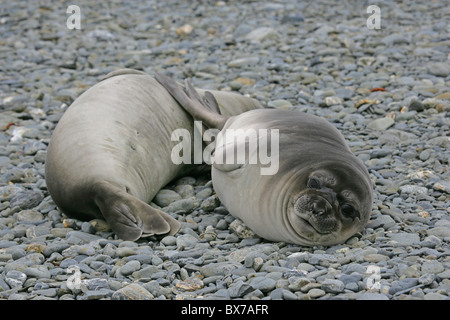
x,y
386,89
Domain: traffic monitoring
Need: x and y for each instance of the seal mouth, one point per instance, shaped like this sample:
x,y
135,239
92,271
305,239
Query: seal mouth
x,y
310,235
313,225
319,227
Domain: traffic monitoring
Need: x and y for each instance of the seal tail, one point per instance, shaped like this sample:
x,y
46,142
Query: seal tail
x,y
129,217
207,110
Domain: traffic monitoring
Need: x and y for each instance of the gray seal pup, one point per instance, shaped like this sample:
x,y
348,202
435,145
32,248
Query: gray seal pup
x,y
321,193
110,153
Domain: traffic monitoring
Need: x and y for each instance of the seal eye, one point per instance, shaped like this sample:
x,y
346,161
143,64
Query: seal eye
x,y
348,211
314,183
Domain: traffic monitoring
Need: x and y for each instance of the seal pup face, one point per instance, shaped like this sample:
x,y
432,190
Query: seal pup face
x,y
334,204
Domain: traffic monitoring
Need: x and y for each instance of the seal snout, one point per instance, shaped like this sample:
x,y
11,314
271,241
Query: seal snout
x,y
317,210
322,217
320,208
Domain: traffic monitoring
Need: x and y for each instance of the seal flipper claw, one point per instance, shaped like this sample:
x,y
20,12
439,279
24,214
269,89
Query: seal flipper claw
x,y
131,218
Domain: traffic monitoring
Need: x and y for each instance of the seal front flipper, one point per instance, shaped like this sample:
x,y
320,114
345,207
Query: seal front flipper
x,y
209,100
129,217
204,110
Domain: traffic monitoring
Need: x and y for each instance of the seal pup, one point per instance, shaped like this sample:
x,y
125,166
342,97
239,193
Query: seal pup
x,y
321,193
110,153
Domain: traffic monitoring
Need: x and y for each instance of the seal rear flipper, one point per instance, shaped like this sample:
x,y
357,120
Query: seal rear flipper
x,y
131,218
174,225
204,110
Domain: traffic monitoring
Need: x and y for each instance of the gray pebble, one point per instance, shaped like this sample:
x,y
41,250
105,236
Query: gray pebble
x,y
439,69
394,39
88,228
15,278
442,232
381,124
94,284
221,294
204,193
435,296
333,286
68,263
239,289
38,272
17,253
78,237
210,203
186,241
50,292
27,199
169,241
182,205
165,197
219,268
316,293
128,268
243,62
372,296
432,267
261,34
403,285
98,294
263,284
132,291
55,247
427,279
185,190
405,239
146,272
411,189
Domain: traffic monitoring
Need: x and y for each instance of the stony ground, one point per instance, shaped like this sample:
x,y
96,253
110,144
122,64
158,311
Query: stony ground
x,y
386,89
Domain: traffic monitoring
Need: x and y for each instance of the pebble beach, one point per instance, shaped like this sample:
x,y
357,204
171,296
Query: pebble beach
x,y
385,87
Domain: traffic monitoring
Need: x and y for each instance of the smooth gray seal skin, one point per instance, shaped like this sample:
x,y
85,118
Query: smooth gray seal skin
x,y
110,153
321,194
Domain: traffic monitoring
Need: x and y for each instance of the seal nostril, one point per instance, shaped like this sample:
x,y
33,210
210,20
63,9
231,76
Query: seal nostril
x,y
317,209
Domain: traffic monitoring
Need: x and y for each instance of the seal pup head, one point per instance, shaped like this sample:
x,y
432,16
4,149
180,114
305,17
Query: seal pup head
x,y
334,203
